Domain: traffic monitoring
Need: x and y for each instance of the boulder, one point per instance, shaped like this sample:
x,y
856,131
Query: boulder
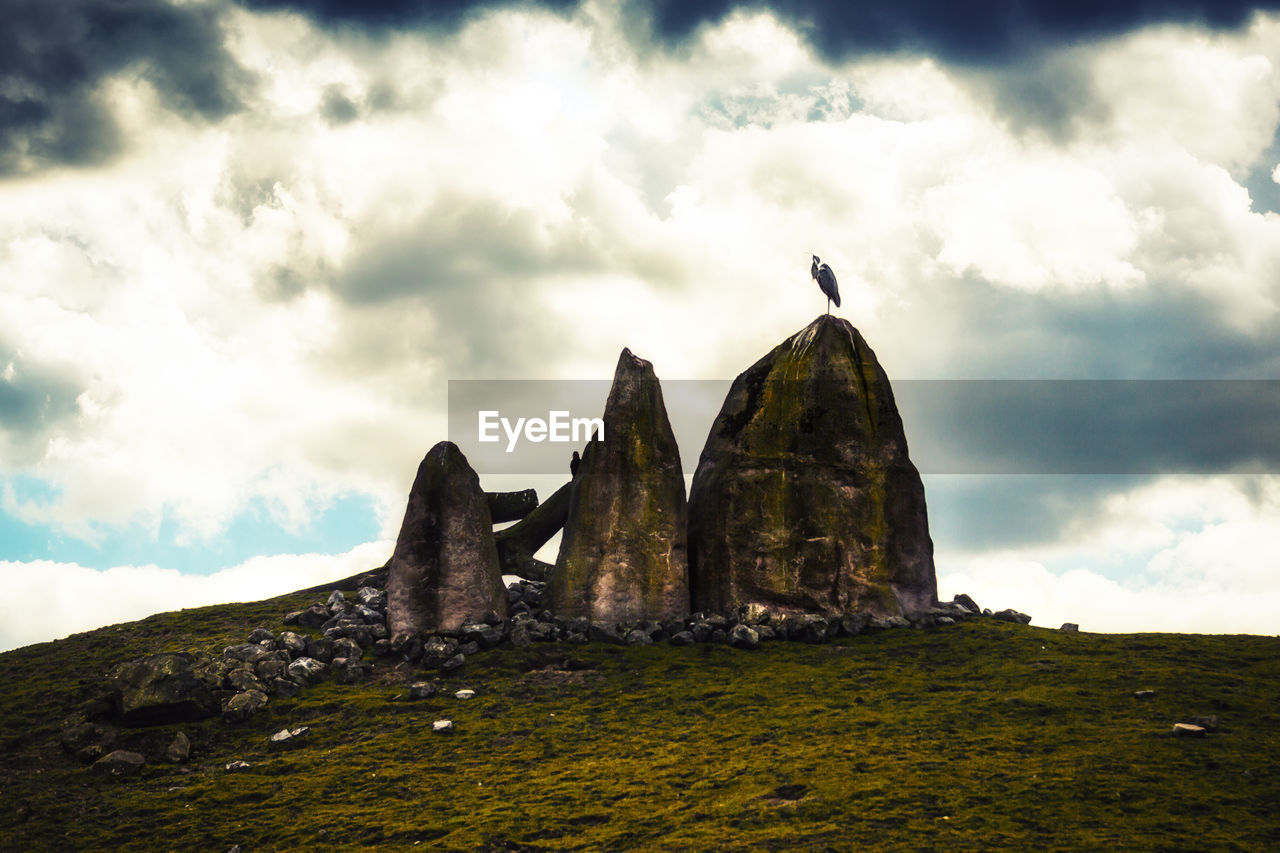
x,y
160,689
804,499
288,738
744,637
444,571
122,762
1011,615
623,556
421,690
179,750
442,727
307,671
511,506
1070,628
242,706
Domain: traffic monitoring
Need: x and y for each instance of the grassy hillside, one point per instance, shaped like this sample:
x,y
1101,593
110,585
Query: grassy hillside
x,y
979,736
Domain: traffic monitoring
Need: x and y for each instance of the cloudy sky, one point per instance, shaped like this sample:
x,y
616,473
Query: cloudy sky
x,y
245,246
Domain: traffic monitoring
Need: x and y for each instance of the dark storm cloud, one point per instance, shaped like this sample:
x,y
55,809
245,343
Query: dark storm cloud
x,y
35,400
977,32
981,512
1091,427
54,54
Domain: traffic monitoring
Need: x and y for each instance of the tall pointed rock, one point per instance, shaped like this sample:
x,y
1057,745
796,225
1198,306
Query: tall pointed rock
x,y
805,499
623,555
444,572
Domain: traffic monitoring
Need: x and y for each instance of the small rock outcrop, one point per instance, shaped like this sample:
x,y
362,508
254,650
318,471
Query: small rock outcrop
x,y
159,689
623,555
122,762
444,572
805,500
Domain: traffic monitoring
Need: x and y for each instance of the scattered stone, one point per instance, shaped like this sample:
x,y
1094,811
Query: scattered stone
x,y
1070,628
160,689
422,690
244,679
249,653
347,670
313,617
520,637
88,741
284,688
1011,615
743,637
604,632
179,750
242,706
307,671
1143,694
442,727
270,669
374,599
853,624
258,635
237,766
337,602
465,693
320,648
967,603
288,737
1185,730
122,762
454,663
487,636
1208,723
345,647
682,638
942,621
637,637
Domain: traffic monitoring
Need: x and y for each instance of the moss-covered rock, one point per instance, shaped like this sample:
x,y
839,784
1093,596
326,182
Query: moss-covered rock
x,y
160,688
623,555
444,572
805,500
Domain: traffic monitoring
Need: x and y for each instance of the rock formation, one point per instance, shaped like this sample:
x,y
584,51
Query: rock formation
x,y
804,500
623,554
511,506
444,572
517,543
160,688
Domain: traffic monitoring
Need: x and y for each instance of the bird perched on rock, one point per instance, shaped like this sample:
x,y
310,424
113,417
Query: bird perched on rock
x,y
826,281
574,463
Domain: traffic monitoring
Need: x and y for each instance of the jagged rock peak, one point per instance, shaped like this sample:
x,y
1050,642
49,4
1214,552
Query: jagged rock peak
x,y
805,500
623,556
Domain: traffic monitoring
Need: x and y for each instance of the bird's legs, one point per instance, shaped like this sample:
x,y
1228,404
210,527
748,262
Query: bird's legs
x,y
828,304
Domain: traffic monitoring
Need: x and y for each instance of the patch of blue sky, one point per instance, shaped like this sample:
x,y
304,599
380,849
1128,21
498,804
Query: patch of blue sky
x,y
349,520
